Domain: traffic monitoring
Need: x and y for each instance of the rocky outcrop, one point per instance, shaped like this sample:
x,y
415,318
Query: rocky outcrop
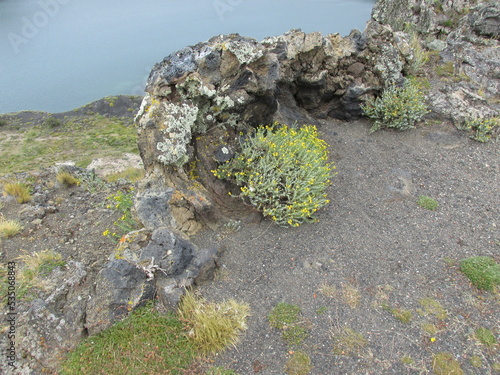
x,y
202,98
147,264
470,58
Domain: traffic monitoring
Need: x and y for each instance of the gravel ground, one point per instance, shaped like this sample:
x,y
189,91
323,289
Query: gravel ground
x,y
375,250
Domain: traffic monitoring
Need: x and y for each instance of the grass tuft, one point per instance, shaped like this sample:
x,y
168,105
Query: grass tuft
x,y
299,364
41,263
213,326
18,190
482,271
351,295
428,203
9,228
67,179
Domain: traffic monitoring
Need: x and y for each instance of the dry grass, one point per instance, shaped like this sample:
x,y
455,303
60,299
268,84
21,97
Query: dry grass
x,y
348,342
213,327
298,364
351,295
67,179
130,174
18,190
9,228
328,290
38,265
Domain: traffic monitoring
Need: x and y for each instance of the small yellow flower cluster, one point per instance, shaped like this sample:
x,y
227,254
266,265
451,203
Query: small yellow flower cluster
x,y
283,172
121,201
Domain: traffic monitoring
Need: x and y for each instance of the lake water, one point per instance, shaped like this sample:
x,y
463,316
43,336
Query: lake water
x,y
56,55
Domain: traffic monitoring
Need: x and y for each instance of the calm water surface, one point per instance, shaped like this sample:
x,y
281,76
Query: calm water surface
x,y
56,55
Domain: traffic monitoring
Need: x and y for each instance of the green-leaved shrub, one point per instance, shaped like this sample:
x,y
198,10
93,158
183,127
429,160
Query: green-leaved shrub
x,y
482,271
283,172
398,107
484,129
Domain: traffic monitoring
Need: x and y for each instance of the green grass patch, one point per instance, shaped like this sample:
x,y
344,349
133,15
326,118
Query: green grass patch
x,y
90,137
143,343
404,316
428,203
286,318
482,271
446,364
485,337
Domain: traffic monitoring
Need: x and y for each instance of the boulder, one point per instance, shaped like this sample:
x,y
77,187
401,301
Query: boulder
x,y
53,323
202,98
147,264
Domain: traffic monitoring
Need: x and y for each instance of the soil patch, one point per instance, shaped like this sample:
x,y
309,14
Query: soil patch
x,y
376,263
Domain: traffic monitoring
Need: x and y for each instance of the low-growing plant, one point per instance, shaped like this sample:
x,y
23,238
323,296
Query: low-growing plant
x,y
428,203
40,263
283,172
445,70
446,364
485,337
130,174
482,271
9,228
348,342
432,307
51,122
286,318
404,316
18,190
476,361
122,201
33,270
212,327
484,129
145,342
420,55
298,364
67,179
398,107
407,360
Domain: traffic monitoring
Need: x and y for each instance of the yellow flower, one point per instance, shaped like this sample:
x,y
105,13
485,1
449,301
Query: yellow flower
x,y
433,339
106,232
